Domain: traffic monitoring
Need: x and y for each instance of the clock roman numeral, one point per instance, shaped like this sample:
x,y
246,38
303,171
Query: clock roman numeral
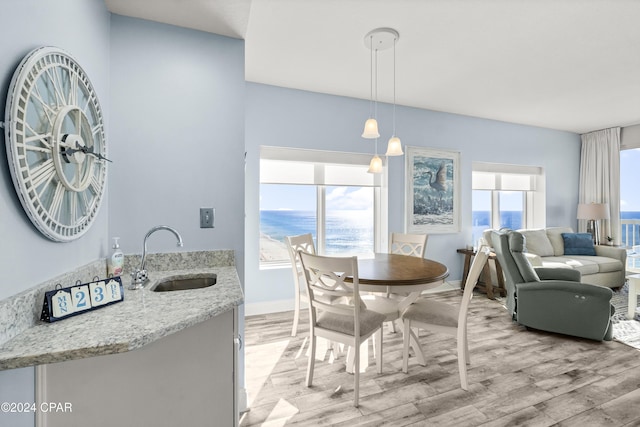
x,y
43,138
85,204
73,89
34,148
46,108
43,172
54,79
56,203
73,218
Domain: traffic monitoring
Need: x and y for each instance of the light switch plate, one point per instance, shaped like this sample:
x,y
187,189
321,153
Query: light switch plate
x,y
207,217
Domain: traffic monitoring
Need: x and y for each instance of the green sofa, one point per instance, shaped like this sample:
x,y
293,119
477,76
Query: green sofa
x,y
551,299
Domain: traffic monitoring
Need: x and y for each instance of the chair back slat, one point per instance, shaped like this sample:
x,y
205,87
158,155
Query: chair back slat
x,y
408,244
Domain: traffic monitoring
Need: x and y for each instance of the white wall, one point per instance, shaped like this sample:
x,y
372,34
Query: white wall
x,y
293,118
81,27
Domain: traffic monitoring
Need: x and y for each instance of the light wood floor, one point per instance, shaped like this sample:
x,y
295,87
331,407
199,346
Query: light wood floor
x,y
516,377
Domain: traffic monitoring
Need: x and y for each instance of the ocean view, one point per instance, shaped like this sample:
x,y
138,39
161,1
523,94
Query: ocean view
x,y
349,232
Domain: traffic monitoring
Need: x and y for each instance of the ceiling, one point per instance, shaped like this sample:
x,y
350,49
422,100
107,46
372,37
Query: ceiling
x,y
571,65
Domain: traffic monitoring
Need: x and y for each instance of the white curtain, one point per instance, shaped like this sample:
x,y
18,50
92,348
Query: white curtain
x,y
600,178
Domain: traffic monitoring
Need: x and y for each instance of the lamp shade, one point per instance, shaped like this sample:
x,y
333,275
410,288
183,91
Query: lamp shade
x,y
371,129
394,147
376,165
593,211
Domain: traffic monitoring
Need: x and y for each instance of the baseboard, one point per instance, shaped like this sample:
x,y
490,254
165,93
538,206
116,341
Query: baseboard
x,y
267,307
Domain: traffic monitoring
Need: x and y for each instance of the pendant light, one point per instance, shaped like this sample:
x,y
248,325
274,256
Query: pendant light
x,y
371,125
394,147
375,40
375,166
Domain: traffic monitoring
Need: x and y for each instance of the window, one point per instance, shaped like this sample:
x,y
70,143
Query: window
x,y
629,200
506,196
327,194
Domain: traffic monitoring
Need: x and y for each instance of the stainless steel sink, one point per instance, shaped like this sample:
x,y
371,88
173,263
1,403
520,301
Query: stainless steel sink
x,y
183,284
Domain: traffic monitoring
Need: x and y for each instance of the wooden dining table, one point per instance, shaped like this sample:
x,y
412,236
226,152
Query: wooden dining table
x,y
405,277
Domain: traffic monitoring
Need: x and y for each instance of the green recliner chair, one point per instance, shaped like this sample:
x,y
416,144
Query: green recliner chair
x,y
551,299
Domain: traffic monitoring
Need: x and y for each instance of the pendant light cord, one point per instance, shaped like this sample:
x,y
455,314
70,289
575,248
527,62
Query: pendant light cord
x,y
371,78
375,112
394,86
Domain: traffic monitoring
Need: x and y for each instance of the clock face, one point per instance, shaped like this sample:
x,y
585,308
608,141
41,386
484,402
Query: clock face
x,y
55,140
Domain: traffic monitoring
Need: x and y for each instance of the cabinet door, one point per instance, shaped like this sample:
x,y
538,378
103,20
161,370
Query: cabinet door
x,y
187,378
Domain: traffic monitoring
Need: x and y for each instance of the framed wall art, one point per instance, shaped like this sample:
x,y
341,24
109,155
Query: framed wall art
x,y
432,186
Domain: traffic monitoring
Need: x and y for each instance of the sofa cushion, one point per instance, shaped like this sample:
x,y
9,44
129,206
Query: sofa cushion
x,y
585,265
605,264
578,244
537,242
555,237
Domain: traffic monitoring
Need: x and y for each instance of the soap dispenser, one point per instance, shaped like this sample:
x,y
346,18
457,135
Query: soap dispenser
x,y
115,263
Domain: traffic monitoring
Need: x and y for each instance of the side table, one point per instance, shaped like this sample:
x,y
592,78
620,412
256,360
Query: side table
x,y
485,283
634,290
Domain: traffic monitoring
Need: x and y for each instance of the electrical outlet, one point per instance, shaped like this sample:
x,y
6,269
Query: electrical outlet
x,y
207,217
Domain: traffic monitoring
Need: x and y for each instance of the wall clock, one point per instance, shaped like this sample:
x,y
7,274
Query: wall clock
x,y
54,133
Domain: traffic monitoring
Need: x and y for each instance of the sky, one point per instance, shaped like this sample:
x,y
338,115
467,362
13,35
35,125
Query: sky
x,y
629,179
299,197
303,198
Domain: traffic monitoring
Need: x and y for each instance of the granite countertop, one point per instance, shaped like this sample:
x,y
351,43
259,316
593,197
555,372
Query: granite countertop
x,y
143,317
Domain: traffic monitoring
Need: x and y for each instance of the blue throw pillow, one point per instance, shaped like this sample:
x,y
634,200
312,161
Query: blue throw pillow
x,y
578,244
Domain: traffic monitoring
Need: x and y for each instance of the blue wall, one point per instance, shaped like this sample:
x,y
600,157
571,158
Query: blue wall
x,y
179,118
173,101
293,118
81,27
177,136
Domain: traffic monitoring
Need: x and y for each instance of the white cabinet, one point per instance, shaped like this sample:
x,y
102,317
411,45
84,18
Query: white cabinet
x,y
184,379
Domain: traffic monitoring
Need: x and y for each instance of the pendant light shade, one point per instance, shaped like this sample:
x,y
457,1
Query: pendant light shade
x,y
377,40
394,147
376,165
371,129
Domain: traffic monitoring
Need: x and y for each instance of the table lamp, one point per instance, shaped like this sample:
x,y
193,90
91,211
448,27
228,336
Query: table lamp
x,y
593,212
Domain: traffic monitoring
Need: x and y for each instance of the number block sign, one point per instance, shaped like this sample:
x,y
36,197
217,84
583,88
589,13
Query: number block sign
x,y
61,303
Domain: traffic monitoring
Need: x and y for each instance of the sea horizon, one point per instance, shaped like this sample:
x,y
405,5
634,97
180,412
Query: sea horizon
x,y
351,231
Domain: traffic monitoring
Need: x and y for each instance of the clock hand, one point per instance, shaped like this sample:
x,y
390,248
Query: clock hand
x,y
98,155
69,151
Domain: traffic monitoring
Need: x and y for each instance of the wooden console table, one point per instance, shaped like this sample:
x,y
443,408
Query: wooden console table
x,y
485,283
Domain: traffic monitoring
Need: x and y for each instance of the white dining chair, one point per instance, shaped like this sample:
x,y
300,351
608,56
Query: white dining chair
x,y
295,244
408,244
347,320
440,317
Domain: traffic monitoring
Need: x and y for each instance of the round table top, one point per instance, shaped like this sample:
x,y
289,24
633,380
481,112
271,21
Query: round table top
x,y
400,270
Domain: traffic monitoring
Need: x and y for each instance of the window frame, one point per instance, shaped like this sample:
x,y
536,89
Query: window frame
x,y
534,199
321,158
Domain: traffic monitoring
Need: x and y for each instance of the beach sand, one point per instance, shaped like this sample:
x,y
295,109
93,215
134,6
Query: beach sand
x,y
272,250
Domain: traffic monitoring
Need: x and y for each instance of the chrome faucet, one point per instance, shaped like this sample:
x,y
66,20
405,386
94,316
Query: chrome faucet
x,y
140,277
